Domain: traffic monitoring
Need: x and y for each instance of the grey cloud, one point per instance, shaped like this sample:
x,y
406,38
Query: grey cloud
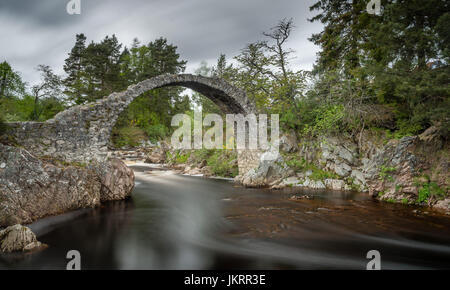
x,y
41,31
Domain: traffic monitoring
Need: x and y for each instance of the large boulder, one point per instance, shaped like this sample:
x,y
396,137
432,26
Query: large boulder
x,y
271,169
117,180
31,188
394,166
18,238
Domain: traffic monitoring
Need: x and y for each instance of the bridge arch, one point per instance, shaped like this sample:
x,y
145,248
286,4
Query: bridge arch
x,y
82,133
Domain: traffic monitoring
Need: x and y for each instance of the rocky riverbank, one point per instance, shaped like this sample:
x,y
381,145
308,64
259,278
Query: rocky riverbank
x,y
409,170
35,187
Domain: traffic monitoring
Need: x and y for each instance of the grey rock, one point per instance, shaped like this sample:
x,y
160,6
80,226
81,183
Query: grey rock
x,y
117,180
288,143
31,188
271,168
342,169
345,154
18,238
314,184
335,184
358,177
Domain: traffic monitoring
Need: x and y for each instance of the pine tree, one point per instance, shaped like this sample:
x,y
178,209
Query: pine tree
x,y
75,81
101,62
341,37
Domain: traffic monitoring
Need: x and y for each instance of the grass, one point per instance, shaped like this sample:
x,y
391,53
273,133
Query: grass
x,y
221,162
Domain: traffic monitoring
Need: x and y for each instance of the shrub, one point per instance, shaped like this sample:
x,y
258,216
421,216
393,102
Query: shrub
x,y
328,120
428,191
156,132
128,136
223,163
3,126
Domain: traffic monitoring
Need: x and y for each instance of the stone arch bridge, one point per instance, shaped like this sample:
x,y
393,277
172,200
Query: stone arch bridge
x,y
82,133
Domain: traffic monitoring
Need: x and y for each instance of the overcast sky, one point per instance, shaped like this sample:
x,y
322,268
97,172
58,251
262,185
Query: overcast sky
x,y
42,32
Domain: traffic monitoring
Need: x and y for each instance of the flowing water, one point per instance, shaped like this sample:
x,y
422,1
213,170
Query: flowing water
x,y
184,222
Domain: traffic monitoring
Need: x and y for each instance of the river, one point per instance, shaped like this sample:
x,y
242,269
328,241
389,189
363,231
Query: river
x,y
185,222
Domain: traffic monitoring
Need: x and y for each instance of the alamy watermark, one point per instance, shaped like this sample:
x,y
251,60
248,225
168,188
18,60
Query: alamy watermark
x,y
73,7
241,132
74,258
374,7
375,262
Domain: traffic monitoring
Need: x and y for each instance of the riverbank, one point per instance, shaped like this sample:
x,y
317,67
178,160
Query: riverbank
x,y
412,170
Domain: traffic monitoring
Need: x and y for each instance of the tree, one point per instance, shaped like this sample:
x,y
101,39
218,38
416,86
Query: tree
x,y
11,83
264,72
340,40
50,87
75,82
280,34
101,62
389,70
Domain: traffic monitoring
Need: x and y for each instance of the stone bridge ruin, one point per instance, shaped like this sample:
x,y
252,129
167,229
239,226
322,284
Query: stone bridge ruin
x,y
82,133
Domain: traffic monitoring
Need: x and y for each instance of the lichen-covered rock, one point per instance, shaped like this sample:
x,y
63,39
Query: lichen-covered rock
x,y
117,180
31,188
335,184
271,168
18,238
288,143
395,164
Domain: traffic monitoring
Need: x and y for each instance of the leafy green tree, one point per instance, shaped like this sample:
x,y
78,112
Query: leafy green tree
x,y
50,87
11,83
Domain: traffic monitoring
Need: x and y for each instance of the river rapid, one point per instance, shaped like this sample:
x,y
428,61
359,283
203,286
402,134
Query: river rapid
x,y
185,222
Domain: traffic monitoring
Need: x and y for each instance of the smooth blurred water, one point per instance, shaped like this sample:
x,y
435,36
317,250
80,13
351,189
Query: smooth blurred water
x,y
182,222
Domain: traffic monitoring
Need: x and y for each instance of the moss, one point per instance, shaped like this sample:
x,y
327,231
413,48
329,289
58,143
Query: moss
x,y
385,172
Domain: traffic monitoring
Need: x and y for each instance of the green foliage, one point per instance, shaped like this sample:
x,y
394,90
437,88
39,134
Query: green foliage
x,y
181,158
3,126
385,172
42,103
389,71
11,83
128,136
328,120
223,163
302,166
429,190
